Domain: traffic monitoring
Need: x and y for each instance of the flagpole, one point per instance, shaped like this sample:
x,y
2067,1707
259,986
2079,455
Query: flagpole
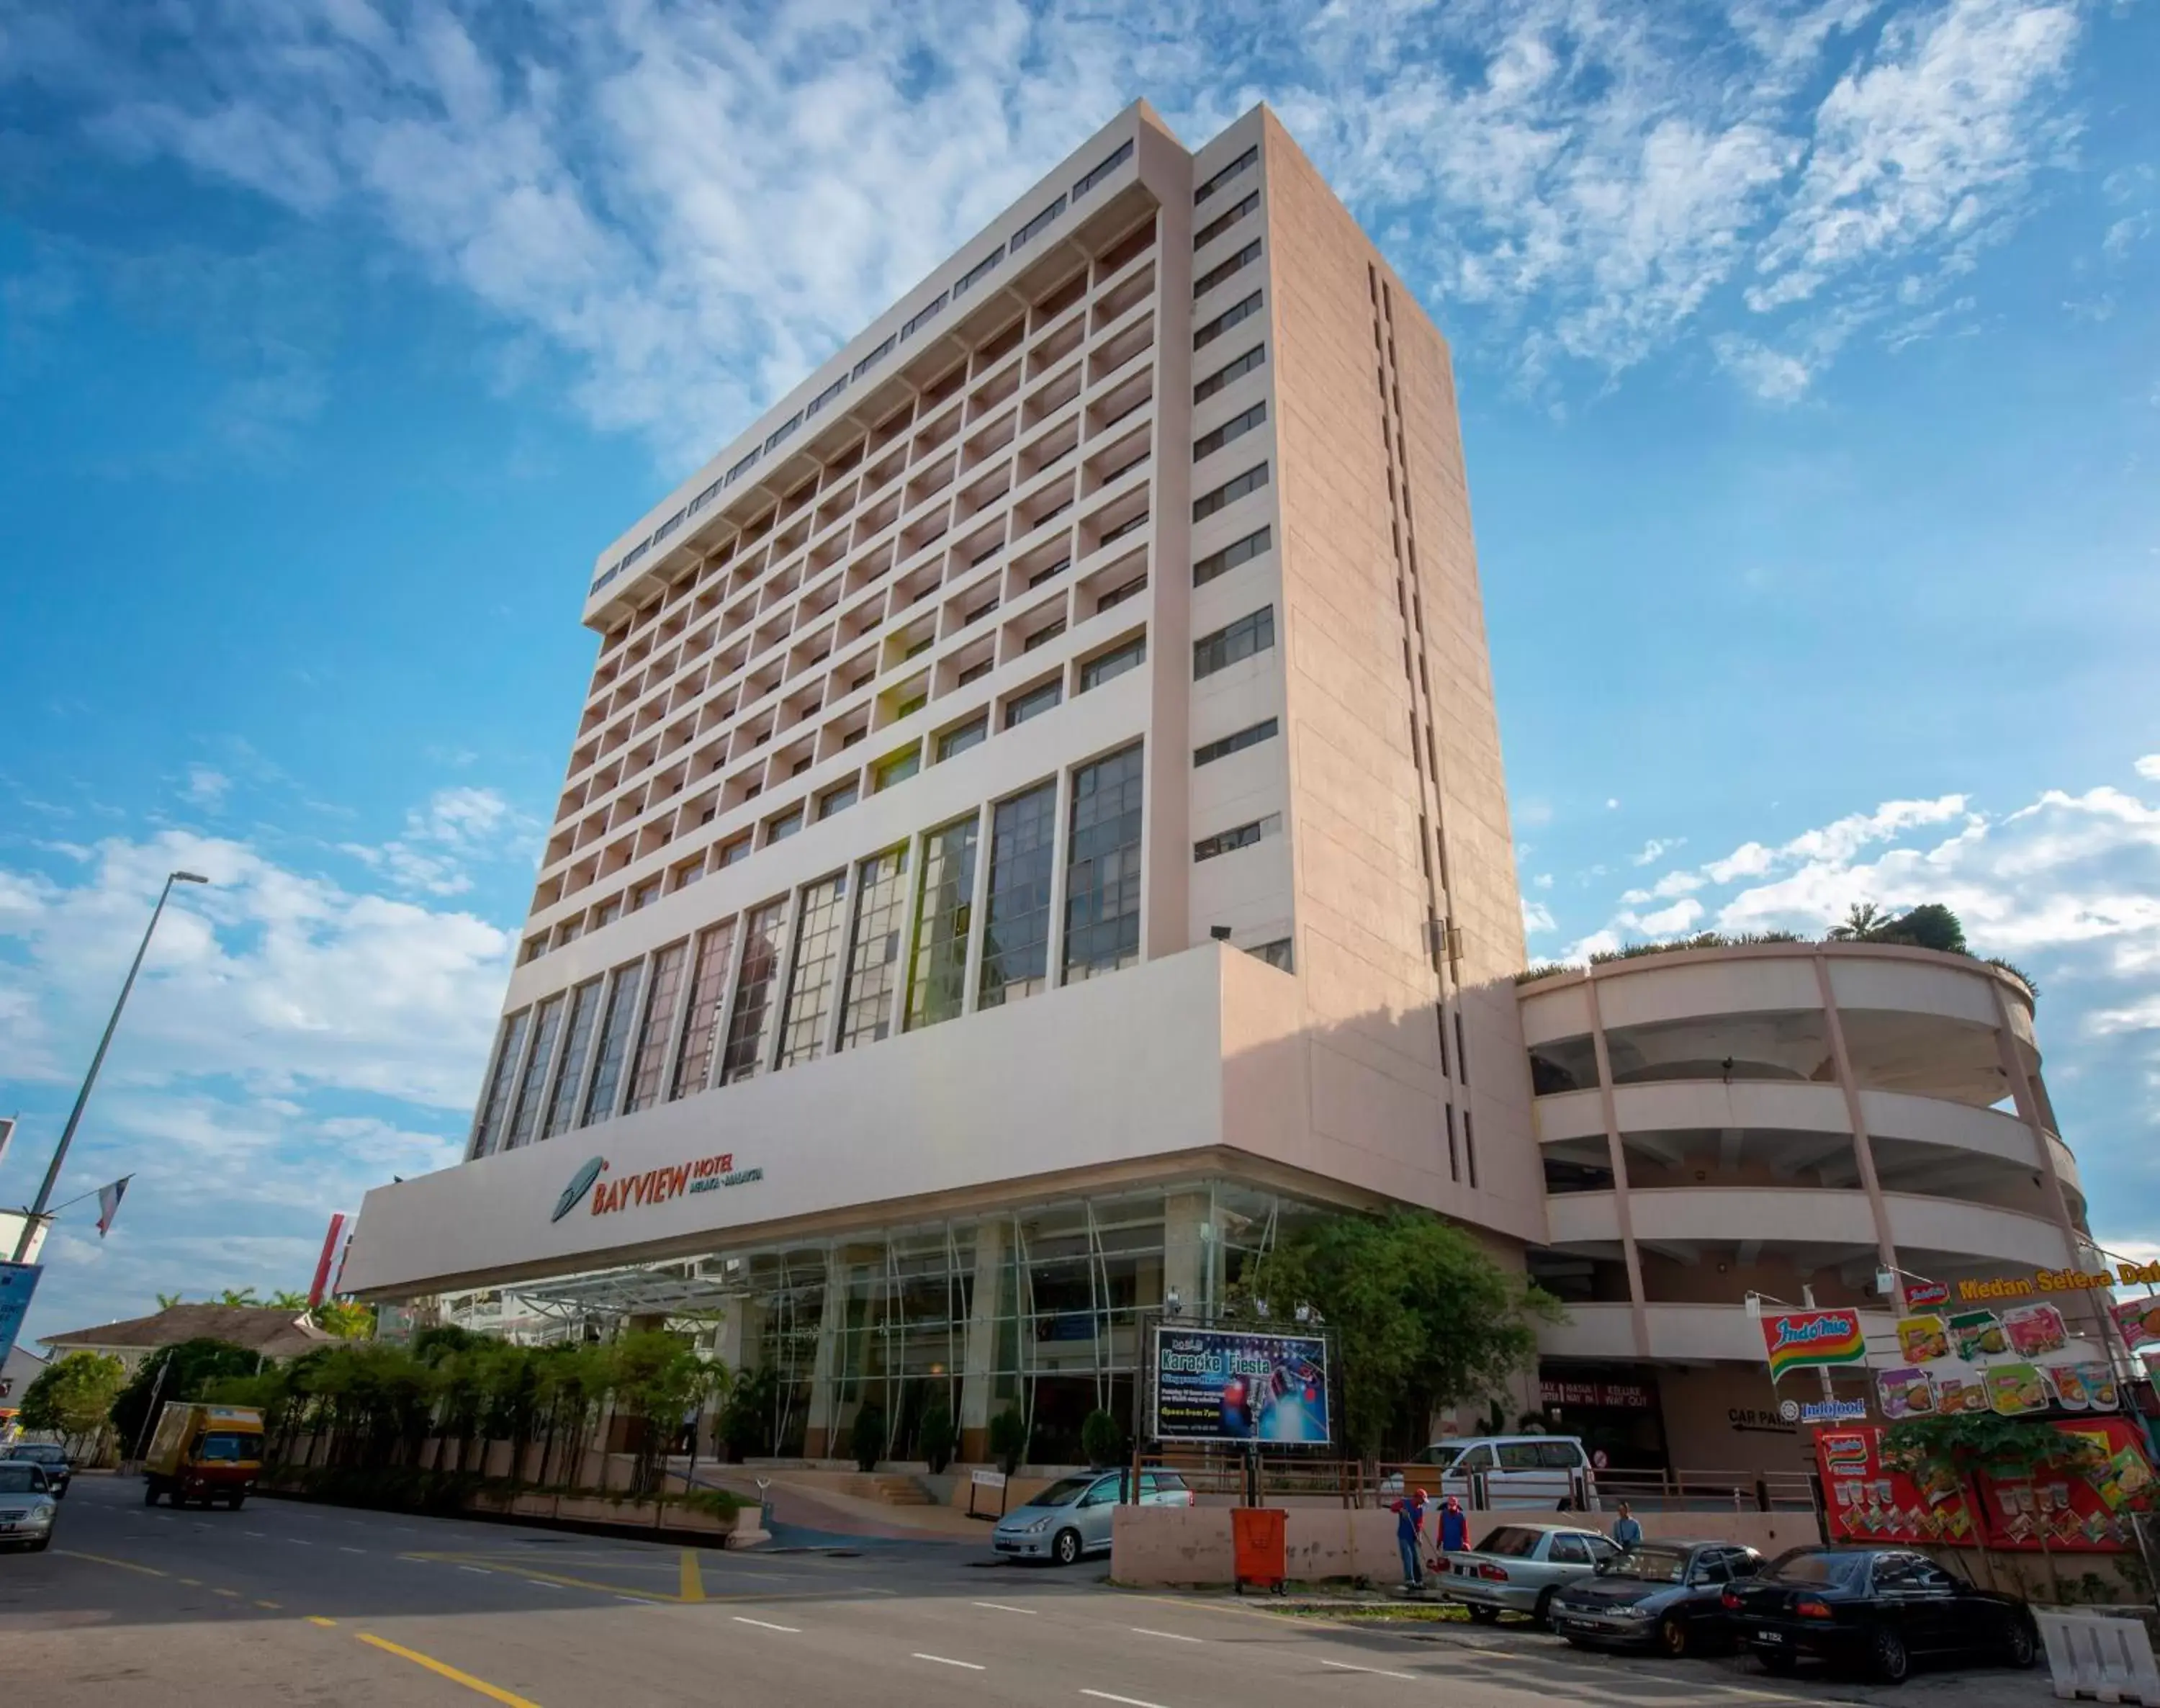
x,y
36,1209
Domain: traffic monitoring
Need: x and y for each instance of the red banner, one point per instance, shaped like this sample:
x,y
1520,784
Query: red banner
x,y
2085,1509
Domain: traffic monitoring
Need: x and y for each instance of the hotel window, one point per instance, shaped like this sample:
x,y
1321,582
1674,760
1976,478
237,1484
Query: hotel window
x,y
1229,492
1240,836
1205,569
1101,668
730,852
1226,646
1032,703
1118,157
1251,736
1222,222
897,770
1243,163
785,826
1215,275
873,954
701,1018
658,1032
1044,635
1207,334
629,983
751,1023
938,983
495,1107
1223,376
1237,427
837,800
533,1087
955,742
1275,954
1103,867
1118,595
577,1049
1016,917
817,966
975,671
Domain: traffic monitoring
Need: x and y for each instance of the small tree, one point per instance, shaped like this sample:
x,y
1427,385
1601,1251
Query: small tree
x,y
935,1436
345,1319
1102,1440
72,1397
866,1439
1008,1438
179,1372
747,1414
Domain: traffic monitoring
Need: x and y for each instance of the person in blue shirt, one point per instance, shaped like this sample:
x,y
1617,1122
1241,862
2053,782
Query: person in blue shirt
x,y
1410,1525
1454,1527
1626,1532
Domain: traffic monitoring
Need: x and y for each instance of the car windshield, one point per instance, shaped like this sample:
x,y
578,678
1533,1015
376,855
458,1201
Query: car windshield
x,y
1440,1455
38,1453
1062,1492
227,1445
1510,1541
21,1479
1804,1566
1651,1565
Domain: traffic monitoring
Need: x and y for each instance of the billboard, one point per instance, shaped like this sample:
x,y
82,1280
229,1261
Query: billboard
x,y
1228,1386
17,1282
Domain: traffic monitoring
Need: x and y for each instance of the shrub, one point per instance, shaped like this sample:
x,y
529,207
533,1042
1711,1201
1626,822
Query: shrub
x,y
1102,1440
1008,1438
866,1440
935,1436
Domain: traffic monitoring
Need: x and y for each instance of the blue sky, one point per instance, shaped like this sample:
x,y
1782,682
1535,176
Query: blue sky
x,y
1811,387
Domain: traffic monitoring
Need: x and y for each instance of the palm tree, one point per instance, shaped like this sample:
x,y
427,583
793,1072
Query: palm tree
x,y
287,1301
239,1295
166,1301
1862,922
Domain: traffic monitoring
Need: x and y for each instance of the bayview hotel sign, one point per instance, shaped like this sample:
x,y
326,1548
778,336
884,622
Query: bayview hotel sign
x,y
591,1185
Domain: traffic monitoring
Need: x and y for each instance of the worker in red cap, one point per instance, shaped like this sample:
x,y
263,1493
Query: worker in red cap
x,y
1454,1527
1409,1528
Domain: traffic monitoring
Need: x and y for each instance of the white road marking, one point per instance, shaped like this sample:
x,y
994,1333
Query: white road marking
x,y
297,1543
946,1660
1000,1607
767,1625
1129,1701
1378,1672
543,1583
342,1549
482,1570
1169,1636
635,1601
258,1534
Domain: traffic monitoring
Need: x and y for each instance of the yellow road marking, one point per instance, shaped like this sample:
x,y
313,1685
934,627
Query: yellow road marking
x,y
494,1693
106,1560
318,1619
659,1595
693,1578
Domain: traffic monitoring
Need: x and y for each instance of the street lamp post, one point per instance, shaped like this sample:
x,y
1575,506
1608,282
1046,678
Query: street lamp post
x,y
96,1061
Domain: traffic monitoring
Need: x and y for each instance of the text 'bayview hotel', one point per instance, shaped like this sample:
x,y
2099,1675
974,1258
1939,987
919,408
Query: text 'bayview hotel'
x,y
1036,822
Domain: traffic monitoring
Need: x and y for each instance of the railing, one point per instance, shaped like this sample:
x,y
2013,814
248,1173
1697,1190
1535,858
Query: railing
x,y
1355,1483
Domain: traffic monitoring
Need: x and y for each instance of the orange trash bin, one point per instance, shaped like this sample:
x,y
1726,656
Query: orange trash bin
x,y
1256,1537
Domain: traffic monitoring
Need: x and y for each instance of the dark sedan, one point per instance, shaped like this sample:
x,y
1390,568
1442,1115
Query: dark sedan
x,y
52,1457
1658,1595
1876,1608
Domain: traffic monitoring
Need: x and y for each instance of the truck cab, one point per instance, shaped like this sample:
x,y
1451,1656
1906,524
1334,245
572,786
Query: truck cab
x,y
209,1453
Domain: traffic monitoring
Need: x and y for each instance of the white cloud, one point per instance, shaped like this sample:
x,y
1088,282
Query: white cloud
x,y
1543,881
205,787
696,206
1536,918
2149,767
1771,375
1612,802
1657,848
458,827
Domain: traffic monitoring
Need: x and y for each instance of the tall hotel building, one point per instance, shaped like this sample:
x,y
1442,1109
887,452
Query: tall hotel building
x,y
1035,829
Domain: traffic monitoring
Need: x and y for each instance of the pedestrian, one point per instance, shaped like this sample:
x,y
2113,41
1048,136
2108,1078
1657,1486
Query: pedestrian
x,y
1409,1526
1454,1527
1626,1532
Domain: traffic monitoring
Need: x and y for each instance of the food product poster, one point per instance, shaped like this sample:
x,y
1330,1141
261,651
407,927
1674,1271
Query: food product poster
x,y
2084,1387
2139,1320
2085,1508
1921,1340
2034,1331
1977,1334
1965,1392
1905,1393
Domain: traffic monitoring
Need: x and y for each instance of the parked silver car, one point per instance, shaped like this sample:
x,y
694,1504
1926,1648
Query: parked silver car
x,y
29,1508
1073,1516
1519,1567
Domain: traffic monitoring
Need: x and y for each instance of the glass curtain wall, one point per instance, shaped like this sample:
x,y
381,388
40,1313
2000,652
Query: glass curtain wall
x,y
495,1107
938,983
816,972
657,1033
751,1026
532,1090
577,1050
873,969
614,1043
701,1015
1103,867
1016,917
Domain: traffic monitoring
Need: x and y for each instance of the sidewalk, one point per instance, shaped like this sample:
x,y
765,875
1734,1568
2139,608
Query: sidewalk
x,y
806,1501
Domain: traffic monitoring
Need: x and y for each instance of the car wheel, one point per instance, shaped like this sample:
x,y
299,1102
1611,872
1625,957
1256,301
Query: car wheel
x,y
1541,1615
42,1543
1674,1636
2021,1651
1481,1614
1065,1549
1774,1660
1575,1642
237,1501
1887,1657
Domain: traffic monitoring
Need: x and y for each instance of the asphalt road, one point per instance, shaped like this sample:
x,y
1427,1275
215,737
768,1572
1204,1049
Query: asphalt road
x,y
287,1603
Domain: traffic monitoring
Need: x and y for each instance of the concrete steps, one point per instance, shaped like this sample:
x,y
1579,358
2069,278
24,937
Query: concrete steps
x,y
892,1490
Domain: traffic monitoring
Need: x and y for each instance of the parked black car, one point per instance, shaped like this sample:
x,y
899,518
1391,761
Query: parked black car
x,y
53,1457
1658,1595
1879,1608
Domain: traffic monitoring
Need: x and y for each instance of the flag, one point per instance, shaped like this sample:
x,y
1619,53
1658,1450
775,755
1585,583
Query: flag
x,y
7,1132
322,1280
108,1203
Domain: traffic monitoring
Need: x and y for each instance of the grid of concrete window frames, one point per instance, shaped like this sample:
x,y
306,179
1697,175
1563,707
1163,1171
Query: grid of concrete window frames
x,y
1008,504
984,910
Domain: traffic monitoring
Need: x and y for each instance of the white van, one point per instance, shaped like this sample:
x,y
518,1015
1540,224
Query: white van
x,y
1522,1472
